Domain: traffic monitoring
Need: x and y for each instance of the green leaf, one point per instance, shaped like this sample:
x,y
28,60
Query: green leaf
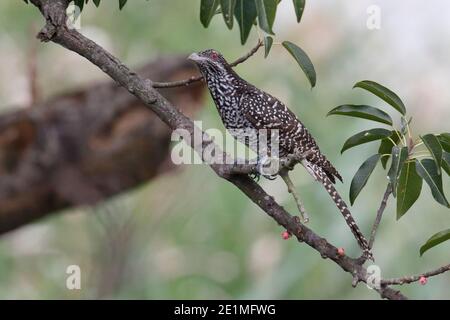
x,y
399,156
79,4
362,111
428,171
299,6
227,12
122,4
445,163
445,135
364,137
435,148
268,41
245,13
386,147
383,93
96,2
435,240
361,176
303,61
207,11
408,189
444,139
266,14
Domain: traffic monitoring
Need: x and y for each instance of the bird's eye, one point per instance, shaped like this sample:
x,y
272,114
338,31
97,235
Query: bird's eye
x,y
214,55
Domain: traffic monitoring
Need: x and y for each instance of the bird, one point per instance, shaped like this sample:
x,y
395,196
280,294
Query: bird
x,y
242,106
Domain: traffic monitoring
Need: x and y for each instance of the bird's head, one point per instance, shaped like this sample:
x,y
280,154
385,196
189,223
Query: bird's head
x,y
209,61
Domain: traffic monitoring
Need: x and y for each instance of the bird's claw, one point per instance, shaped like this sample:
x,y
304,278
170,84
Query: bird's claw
x,y
270,177
268,167
255,176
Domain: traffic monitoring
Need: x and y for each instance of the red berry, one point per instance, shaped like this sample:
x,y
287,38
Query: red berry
x,y
341,251
423,280
285,235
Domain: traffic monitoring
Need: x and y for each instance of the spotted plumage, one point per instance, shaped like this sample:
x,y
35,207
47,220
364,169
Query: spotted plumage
x,y
242,106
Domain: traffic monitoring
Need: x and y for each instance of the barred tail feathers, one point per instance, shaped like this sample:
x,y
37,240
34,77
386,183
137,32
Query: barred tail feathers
x,y
320,175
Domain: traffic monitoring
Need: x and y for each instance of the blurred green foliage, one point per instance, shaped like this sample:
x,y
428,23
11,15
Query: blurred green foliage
x,y
189,234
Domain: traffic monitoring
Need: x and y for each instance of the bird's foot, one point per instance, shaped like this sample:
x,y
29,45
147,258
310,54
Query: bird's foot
x,y
255,176
272,177
304,217
268,167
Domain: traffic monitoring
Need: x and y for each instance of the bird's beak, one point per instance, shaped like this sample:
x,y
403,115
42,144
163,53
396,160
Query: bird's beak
x,y
195,57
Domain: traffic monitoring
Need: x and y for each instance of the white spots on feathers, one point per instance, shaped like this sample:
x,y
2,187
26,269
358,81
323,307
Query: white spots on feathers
x,y
243,106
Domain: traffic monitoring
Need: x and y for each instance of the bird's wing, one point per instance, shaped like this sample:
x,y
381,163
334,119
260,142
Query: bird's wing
x,y
266,112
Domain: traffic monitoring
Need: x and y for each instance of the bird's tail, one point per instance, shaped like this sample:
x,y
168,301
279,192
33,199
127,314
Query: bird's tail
x,y
320,175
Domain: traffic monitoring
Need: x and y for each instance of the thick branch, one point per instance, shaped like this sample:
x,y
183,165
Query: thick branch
x,y
410,279
144,90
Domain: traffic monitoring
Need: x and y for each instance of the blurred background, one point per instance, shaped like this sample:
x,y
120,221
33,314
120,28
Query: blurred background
x,y
186,234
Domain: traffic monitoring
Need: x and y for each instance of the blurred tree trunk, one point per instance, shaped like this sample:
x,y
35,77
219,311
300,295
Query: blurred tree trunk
x,y
85,146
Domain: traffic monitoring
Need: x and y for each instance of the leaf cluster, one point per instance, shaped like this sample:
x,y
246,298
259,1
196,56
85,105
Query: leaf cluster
x,y
412,161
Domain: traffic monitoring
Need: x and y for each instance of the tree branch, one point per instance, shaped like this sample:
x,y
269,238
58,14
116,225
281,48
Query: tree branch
x,y
55,30
410,279
405,279
380,211
191,80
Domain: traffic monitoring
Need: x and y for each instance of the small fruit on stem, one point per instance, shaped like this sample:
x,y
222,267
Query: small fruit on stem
x,y
285,235
423,280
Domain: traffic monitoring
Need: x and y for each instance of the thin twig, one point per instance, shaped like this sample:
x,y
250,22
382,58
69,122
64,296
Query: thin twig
x,y
410,279
380,211
284,174
248,55
287,163
191,80
33,69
